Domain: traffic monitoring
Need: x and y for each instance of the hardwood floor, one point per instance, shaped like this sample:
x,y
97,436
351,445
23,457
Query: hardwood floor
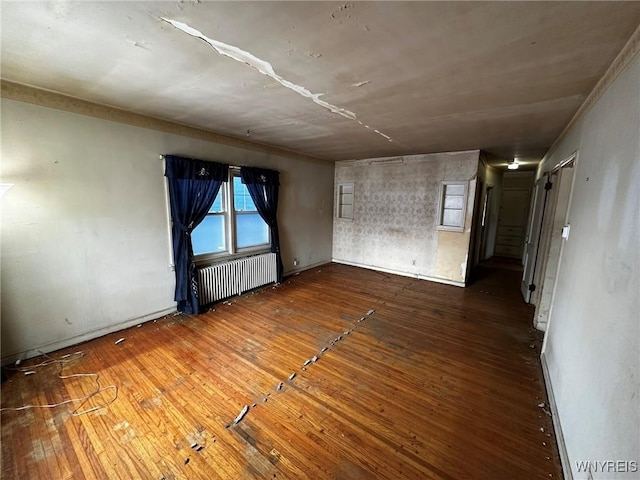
x,y
438,382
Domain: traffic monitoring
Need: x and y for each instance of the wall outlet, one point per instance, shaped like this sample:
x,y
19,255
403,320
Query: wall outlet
x,y
295,262
413,262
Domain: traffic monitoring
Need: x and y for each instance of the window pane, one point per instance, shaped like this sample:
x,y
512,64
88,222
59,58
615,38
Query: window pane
x,y
251,230
453,202
241,199
346,211
217,203
454,189
452,218
208,237
346,199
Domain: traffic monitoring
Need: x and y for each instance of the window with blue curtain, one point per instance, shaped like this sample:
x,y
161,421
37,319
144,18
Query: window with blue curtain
x,y
193,188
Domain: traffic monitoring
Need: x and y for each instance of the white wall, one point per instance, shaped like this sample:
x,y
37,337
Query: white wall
x,y
591,345
395,216
85,245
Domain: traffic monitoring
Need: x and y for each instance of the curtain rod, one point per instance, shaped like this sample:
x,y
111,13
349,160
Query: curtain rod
x,y
231,167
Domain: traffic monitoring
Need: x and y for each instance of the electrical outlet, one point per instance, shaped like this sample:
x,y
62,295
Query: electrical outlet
x,y
295,262
413,262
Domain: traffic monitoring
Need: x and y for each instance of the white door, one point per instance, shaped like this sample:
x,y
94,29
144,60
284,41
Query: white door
x,y
558,216
532,238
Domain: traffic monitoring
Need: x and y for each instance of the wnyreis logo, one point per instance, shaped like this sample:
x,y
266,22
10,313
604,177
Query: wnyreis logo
x,y
607,466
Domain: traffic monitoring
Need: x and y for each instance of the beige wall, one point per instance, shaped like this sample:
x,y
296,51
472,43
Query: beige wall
x,y
395,215
85,244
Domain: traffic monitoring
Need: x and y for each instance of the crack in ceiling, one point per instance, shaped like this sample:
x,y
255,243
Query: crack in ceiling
x,y
266,68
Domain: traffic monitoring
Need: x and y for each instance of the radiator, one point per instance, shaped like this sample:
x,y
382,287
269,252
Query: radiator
x,y
226,279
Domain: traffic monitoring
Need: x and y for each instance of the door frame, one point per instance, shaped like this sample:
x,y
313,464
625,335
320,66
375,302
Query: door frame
x,y
553,246
533,238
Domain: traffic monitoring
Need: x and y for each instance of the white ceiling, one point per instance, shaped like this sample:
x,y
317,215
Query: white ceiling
x,y
505,77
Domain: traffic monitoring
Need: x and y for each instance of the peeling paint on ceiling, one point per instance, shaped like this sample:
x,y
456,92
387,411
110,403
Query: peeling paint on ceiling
x,y
503,77
266,68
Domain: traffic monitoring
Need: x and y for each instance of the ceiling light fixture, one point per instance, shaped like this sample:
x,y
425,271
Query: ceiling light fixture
x,y
513,165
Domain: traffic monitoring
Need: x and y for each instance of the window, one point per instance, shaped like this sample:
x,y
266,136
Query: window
x,y
209,236
345,201
233,224
250,229
453,201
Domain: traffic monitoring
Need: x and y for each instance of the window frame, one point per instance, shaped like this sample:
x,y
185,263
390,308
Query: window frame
x,y
232,250
339,200
232,217
442,202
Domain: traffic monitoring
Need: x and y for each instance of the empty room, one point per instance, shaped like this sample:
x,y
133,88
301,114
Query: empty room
x,y
320,240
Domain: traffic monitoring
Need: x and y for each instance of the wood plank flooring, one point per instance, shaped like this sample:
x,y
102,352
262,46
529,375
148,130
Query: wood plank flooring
x,y
438,382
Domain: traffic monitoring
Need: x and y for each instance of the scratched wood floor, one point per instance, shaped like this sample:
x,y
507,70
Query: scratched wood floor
x,y
439,383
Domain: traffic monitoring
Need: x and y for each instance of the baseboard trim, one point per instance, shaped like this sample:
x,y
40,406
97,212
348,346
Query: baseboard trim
x,y
562,448
83,337
293,271
401,273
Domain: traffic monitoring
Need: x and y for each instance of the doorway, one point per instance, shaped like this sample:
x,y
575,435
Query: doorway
x,y
532,256
554,224
513,215
484,223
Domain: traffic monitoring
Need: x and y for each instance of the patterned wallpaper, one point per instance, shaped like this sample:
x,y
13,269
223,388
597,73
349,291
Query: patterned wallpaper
x,y
395,211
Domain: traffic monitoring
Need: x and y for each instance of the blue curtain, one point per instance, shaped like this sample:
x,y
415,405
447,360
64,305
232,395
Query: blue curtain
x,y
263,187
193,186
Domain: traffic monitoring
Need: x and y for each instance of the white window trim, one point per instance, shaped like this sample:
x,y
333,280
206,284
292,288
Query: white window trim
x,y
441,203
338,201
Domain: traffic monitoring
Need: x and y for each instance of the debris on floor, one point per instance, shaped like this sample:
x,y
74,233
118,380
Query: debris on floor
x,y
241,415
